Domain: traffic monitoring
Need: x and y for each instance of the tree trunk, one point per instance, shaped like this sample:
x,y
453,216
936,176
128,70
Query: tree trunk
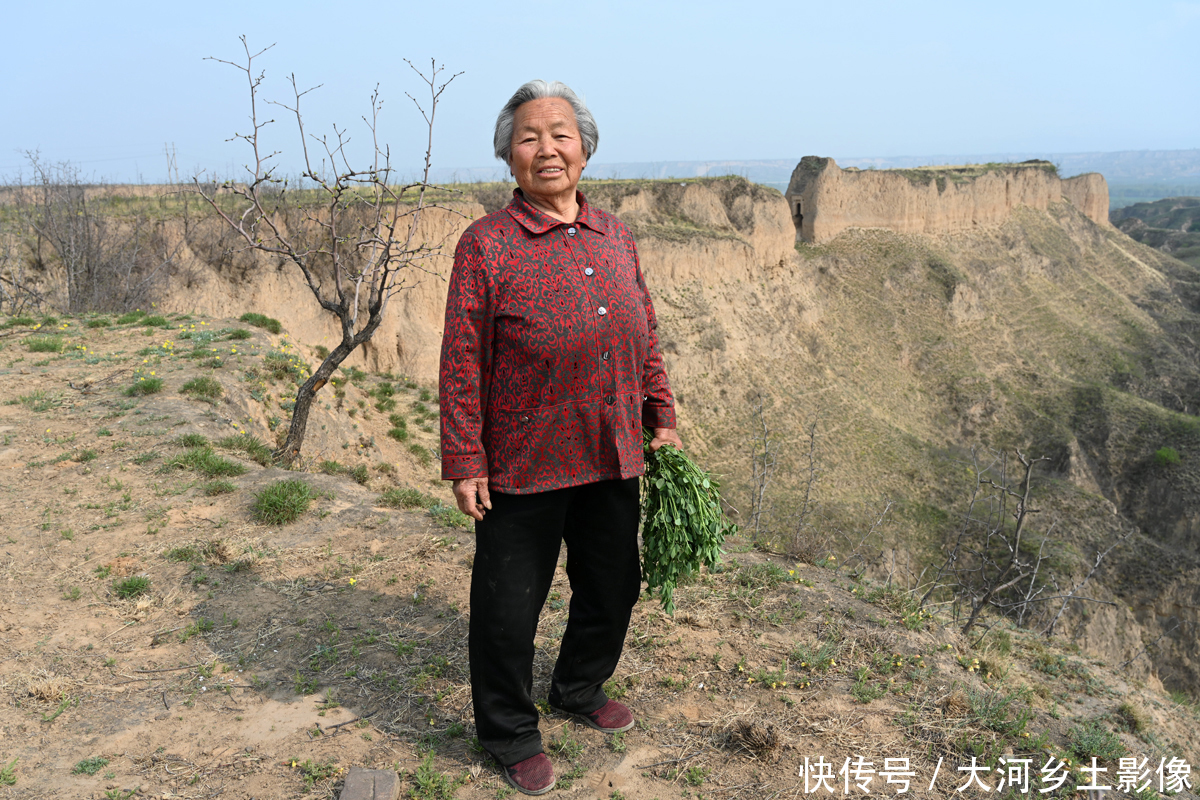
x,y
289,451
287,454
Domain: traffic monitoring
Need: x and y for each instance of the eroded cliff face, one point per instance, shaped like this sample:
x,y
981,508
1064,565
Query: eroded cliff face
x,y
1042,329
826,200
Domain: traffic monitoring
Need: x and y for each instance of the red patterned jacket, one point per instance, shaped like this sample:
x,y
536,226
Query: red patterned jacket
x,y
550,361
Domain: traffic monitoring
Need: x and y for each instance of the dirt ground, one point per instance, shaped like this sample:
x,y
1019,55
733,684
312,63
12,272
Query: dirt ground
x,y
256,660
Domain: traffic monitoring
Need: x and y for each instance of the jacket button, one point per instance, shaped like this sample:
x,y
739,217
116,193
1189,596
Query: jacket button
x,y
604,356
570,231
610,399
602,311
589,271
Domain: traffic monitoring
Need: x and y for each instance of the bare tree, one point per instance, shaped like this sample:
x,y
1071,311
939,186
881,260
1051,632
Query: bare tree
x,y
105,260
353,244
992,563
18,294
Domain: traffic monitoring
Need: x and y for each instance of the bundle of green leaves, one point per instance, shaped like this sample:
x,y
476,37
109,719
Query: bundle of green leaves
x,y
683,526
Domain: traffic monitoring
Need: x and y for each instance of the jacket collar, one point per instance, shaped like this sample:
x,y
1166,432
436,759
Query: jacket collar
x,y
538,222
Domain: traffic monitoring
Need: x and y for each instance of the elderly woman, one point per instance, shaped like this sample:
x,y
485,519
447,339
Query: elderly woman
x,y
550,369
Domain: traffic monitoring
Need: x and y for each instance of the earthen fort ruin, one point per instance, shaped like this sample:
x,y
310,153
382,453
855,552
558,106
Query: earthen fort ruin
x,y
825,199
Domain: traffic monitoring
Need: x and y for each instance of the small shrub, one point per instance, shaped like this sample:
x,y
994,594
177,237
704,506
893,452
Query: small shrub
x,y
45,344
102,322
406,498
331,468
155,322
130,317
399,434
205,388
262,321
24,322
84,456
361,474
250,445
133,586
239,334
322,351
1167,457
144,386
282,502
205,461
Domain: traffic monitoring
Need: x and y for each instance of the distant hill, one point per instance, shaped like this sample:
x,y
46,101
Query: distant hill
x,y
1133,176
1171,225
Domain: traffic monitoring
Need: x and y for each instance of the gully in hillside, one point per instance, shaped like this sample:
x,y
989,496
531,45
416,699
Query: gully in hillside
x,y
550,369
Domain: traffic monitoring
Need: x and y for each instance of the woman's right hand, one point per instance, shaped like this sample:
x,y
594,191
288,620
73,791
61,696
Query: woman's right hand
x,y
472,497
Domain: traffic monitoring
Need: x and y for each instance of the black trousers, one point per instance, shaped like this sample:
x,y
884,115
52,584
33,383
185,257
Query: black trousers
x,y
516,553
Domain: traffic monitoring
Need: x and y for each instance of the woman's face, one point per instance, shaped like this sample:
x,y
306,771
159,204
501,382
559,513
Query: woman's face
x,y
547,151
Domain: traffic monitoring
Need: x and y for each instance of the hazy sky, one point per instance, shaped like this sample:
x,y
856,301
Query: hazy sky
x,y
107,85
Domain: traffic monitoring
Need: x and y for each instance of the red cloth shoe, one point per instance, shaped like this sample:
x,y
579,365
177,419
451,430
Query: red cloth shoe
x,y
532,776
612,717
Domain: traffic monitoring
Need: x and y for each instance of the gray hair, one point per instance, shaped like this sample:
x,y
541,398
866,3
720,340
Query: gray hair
x,y
539,90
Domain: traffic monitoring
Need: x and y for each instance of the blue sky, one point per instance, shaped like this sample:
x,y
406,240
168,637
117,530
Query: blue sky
x,y
107,85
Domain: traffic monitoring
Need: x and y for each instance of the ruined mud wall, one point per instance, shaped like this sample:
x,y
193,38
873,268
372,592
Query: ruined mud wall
x,y
826,200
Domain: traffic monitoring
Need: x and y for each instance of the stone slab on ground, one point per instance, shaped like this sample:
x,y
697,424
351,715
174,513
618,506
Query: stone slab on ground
x,y
370,784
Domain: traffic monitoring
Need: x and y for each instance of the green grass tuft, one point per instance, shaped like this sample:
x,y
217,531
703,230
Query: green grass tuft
x,y
1167,457
40,400
239,334
205,461
282,502
1093,740
406,498
45,344
90,766
133,586
262,321
204,388
144,386
214,488
191,440
250,445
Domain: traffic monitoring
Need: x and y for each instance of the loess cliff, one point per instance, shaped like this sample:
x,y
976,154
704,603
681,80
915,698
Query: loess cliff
x,y
921,321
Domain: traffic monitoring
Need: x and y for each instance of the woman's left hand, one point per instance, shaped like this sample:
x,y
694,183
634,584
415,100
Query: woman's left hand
x,y
664,436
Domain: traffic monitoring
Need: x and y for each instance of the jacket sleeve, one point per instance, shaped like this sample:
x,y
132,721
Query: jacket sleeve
x,y
465,369
658,404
